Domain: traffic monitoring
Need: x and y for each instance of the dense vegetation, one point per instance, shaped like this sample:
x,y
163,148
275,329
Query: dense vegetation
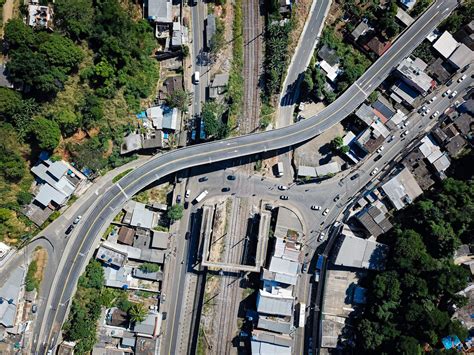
x,y
31,283
459,17
409,303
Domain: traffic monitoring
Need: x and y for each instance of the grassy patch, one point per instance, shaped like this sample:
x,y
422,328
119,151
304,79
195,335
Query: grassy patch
x,y
121,175
31,282
236,80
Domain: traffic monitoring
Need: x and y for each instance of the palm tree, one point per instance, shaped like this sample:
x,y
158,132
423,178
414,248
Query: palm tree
x,y
138,313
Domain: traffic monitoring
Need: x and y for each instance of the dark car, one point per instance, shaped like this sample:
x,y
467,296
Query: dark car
x,y
164,315
449,82
187,235
202,179
34,308
284,197
178,199
69,229
355,176
337,198
231,177
225,189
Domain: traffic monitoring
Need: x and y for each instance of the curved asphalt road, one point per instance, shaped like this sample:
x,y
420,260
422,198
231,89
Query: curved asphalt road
x,y
111,202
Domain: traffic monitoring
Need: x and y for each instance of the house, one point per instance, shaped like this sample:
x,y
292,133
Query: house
x,y
159,240
402,189
461,56
117,318
466,35
40,16
176,36
151,276
10,292
403,17
432,153
153,139
111,256
383,109
411,71
126,235
288,226
276,302
407,4
402,93
210,29
218,85
445,45
264,348
464,123
455,145
272,338
377,46
160,11
150,327
143,217
374,219
276,325
360,30
328,169
354,252
329,62
4,82
171,84
131,143
163,117
438,71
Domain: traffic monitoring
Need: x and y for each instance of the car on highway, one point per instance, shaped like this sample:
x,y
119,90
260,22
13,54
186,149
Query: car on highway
x,y
453,94
282,187
447,93
196,77
178,199
433,99
304,268
422,109
355,176
316,276
404,134
283,197
187,194
462,78
321,236
77,220
427,111
336,198
392,137
231,177
435,114
449,82
380,149
69,229
34,308
375,171
187,235
202,179
225,189
325,212
315,207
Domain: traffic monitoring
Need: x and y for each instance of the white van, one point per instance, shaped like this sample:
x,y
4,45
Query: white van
x,y
196,77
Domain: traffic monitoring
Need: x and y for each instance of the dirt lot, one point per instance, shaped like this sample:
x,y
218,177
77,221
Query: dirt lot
x,y
219,231
318,150
41,257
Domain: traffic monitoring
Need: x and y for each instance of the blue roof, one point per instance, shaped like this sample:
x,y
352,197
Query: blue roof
x,y
451,341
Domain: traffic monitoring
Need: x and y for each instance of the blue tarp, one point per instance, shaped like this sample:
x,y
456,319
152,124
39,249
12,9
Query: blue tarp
x,y
451,341
141,115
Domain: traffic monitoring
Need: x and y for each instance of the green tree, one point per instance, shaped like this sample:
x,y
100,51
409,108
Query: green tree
x,y
23,198
345,149
175,212
61,52
10,103
93,276
17,33
138,313
47,133
68,121
74,17
185,50
178,99
307,85
149,267
373,97
337,142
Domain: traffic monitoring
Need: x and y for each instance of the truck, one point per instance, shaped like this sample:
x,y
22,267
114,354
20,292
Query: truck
x,y
280,171
302,315
201,196
319,263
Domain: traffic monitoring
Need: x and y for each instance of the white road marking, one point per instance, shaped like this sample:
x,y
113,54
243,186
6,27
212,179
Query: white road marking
x,y
358,87
120,187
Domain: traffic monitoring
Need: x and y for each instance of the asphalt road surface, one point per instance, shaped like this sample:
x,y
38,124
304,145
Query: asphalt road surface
x,y
111,201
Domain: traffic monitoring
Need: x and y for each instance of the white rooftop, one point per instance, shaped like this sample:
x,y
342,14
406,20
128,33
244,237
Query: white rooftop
x,y
402,189
361,253
275,304
446,44
142,217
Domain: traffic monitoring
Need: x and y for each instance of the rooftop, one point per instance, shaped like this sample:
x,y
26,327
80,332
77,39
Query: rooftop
x,y
150,326
143,217
126,235
273,324
262,348
329,55
287,224
446,44
159,240
402,189
9,296
360,253
461,57
412,72
404,18
111,256
360,30
274,304
329,168
377,46
160,10
455,145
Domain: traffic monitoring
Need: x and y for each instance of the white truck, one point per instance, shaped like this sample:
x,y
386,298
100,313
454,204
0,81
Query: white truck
x,y
302,315
280,171
201,196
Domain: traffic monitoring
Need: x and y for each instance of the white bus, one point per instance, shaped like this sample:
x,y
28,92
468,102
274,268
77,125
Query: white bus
x,y
201,196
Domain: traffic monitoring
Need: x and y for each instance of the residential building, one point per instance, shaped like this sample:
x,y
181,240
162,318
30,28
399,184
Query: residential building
x,y
276,303
374,219
407,4
40,16
329,62
111,256
143,217
404,17
383,109
360,30
164,117
377,46
465,124
177,39
126,235
354,252
151,276
402,93
445,45
438,71
277,325
10,293
402,189
218,85
412,73
150,327
171,84
159,240
455,146
131,143
461,56
466,35
264,348
160,11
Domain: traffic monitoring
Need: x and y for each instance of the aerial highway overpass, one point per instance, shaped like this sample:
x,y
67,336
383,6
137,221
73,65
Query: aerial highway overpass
x,y
160,166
